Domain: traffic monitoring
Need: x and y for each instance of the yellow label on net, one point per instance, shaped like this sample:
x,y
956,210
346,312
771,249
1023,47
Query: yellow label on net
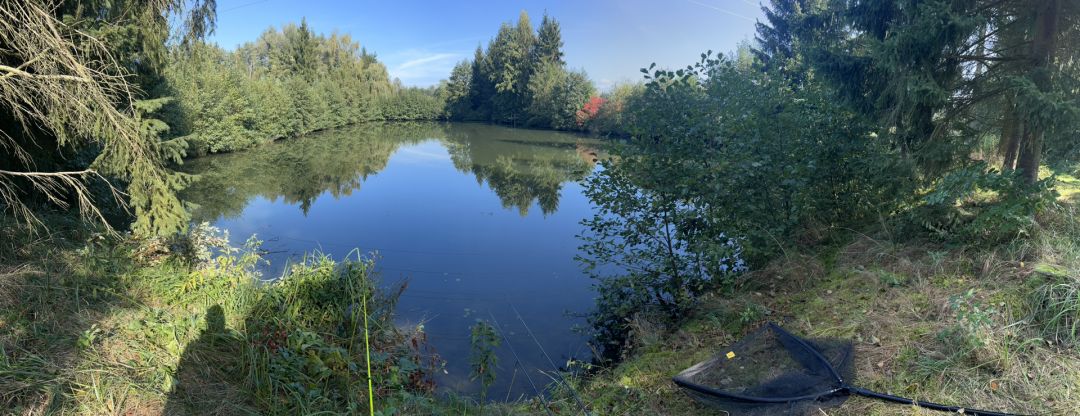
x,y
730,354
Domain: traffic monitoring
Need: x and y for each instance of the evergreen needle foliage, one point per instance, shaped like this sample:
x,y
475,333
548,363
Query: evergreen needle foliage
x,y
520,79
67,94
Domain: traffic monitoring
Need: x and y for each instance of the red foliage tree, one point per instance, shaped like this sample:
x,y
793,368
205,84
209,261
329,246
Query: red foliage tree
x,y
589,111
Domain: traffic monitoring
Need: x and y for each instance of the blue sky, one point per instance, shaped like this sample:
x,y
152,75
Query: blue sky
x,y
420,41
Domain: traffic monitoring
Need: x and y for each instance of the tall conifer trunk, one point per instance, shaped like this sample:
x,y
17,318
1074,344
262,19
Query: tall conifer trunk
x,y
1042,55
1011,130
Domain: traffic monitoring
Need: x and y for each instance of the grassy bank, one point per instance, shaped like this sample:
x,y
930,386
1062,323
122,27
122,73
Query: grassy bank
x,y
95,325
91,324
990,328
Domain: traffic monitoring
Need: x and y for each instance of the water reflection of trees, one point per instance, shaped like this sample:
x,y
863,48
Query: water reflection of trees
x,y
520,166
298,170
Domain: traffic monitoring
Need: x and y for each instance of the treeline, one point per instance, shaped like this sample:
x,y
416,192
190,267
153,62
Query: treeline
x,y
520,79
945,121
286,83
99,98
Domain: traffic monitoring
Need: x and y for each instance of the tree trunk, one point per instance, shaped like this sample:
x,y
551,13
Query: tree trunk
x,y
1030,152
1042,55
1011,130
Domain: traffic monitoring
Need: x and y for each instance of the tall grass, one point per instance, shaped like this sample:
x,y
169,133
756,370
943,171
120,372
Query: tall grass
x,y
104,326
1055,298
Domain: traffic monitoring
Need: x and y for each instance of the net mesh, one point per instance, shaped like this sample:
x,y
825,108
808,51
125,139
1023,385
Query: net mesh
x,y
772,372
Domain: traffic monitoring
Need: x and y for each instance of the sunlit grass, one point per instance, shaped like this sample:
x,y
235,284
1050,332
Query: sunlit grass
x,y
88,329
893,301
1068,188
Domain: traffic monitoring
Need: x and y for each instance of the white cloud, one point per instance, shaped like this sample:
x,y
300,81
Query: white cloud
x,y
427,59
422,67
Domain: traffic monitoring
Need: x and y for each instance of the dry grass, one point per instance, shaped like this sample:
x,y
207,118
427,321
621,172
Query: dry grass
x,y
897,303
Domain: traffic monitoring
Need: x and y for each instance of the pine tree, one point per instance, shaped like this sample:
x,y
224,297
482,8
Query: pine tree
x,y
778,51
297,56
483,85
940,74
458,87
549,43
502,87
68,91
522,44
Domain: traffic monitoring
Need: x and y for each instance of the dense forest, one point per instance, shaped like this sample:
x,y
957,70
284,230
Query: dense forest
x,y
286,83
895,172
520,79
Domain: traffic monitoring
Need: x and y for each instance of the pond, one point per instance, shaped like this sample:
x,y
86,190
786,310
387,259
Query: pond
x,y
480,220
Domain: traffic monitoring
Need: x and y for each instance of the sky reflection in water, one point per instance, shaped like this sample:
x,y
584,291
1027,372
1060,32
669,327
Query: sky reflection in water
x,y
479,219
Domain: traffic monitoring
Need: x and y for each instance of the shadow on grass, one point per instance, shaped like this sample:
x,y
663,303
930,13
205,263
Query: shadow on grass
x,y
208,376
299,347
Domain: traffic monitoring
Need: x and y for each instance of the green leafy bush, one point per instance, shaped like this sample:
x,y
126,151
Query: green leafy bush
x,y
650,255
978,205
306,332
298,343
413,104
722,164
483,342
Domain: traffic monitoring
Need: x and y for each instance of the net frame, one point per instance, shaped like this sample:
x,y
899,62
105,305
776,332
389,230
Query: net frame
x,y
835,390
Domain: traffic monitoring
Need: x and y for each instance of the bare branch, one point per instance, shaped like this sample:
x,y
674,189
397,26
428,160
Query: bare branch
x,y
18,72
65,83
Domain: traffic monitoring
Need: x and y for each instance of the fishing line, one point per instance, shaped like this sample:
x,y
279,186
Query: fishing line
x,y
550,361
518,362
242,6
511,387
350,245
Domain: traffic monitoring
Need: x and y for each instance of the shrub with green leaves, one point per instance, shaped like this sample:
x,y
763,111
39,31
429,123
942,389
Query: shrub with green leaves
x,y
723,163
483,342
979,205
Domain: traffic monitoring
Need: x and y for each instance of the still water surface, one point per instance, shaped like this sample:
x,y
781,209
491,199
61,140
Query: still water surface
x,y
481,220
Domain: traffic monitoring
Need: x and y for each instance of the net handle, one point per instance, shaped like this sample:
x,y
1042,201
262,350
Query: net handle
x,y
927,405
